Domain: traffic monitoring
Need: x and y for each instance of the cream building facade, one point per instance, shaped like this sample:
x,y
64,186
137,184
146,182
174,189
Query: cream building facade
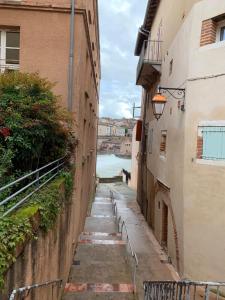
x,y
182,163
104,130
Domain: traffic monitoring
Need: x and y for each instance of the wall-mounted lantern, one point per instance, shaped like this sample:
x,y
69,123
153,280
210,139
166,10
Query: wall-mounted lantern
x,y
158,105
159,100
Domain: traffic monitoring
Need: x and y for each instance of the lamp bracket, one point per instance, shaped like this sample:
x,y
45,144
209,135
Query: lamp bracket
x,y
176,93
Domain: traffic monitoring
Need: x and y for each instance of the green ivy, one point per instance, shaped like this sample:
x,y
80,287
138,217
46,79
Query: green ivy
x,y
16,229
13,232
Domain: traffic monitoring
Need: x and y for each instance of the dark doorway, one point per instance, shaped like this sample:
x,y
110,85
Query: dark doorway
x,y
164,225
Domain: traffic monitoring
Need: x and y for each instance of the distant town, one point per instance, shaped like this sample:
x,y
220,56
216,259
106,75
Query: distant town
x,y
115,136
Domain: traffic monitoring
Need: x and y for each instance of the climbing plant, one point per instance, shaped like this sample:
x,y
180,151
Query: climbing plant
x,y
17,228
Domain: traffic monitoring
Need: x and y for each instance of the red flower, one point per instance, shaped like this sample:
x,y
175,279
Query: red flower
x,y
5,131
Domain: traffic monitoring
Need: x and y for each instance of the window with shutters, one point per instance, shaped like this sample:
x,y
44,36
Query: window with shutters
x,y
9,50
212,142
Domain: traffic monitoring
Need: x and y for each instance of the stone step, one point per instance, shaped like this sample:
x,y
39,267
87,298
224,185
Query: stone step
x,y
100,236
100,224
103,199
101,242
116,254
108,264
98,296
102,209
98,291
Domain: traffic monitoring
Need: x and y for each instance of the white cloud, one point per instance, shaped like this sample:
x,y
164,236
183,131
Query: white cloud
x,y
119,6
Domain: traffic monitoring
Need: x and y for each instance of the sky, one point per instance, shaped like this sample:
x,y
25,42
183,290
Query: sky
x,y
119,23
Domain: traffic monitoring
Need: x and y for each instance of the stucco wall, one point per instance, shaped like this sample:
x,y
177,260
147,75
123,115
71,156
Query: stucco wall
x,y
204,183
196,189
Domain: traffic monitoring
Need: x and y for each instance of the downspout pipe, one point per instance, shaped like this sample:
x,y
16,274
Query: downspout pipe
x,y
71,58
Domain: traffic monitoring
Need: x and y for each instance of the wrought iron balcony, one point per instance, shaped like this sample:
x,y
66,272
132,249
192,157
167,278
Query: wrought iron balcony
x,y
149,62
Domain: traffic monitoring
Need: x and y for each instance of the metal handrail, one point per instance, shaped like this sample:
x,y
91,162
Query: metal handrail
x,y
37,182
35,286
185,290
120,230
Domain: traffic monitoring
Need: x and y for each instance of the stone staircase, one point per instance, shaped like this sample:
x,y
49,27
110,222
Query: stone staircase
x,y
100,269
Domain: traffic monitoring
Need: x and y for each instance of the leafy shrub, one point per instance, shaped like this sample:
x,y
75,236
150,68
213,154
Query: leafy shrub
x,y
34,129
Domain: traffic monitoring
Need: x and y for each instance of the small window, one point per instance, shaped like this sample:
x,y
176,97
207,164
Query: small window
x,y
212,142
222,33
163,142
9,50
93,46
171,67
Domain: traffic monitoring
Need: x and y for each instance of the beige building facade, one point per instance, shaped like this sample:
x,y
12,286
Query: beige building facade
x,y
104,130
182,162
35,37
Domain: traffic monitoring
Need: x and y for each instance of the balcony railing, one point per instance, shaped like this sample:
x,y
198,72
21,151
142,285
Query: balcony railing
x,y
151,56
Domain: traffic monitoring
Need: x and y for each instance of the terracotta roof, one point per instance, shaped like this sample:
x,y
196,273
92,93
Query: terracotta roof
x,y
147,25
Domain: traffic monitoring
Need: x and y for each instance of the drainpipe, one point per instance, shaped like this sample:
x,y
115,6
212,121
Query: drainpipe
x,y
71,58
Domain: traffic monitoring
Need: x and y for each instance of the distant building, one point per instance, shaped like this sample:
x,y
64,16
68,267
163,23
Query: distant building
x,y
104,130
118,131
126,146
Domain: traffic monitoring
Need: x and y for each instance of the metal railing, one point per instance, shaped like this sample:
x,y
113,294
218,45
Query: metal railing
x,y
37,183
151,53
121,229
24,291
183,290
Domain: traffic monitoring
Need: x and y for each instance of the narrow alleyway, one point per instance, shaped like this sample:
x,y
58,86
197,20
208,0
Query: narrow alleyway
x,y
101,267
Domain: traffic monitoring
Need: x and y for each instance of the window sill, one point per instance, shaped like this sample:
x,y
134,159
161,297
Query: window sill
x,y
210,162
217,44
162,157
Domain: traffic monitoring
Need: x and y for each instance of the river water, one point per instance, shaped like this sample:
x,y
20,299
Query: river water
x,y
109,165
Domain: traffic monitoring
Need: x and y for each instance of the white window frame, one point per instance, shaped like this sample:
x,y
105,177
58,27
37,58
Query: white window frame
x,y
3,65
220,25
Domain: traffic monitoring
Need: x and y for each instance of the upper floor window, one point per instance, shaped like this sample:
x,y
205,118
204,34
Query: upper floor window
x,y
222,33
211,142
163,142
9,50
